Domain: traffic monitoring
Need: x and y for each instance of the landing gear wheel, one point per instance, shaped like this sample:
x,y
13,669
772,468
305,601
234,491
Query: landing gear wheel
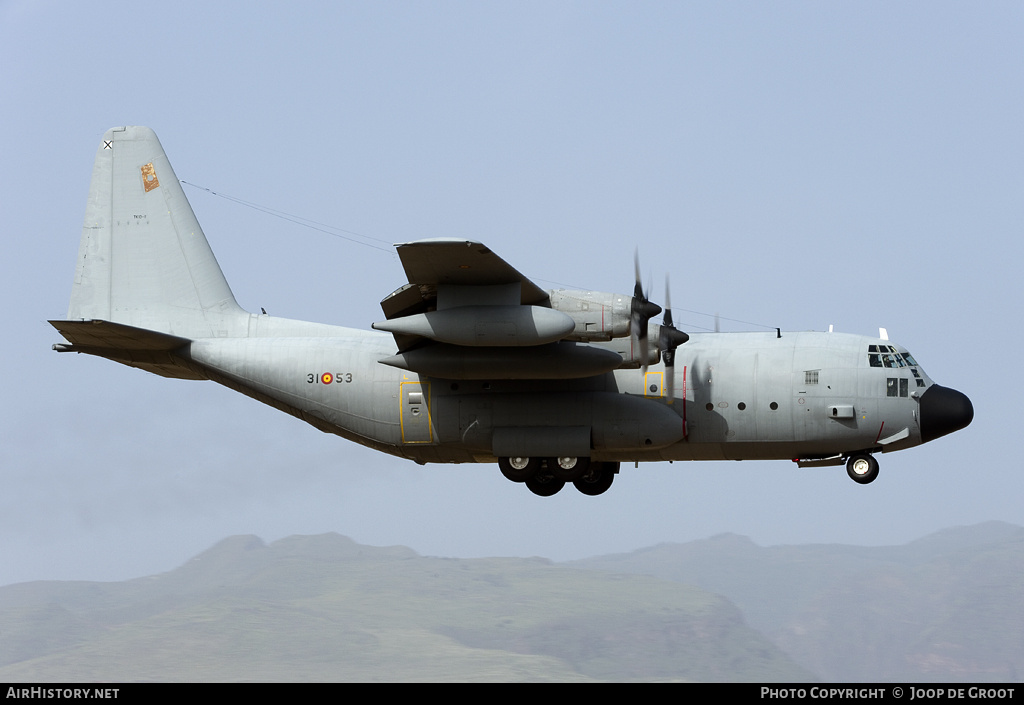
x,y
862,468
568,469
597,480
544,484
518,469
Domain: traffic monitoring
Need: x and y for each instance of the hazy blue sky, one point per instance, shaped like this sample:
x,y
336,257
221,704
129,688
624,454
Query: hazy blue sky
x,y
793,164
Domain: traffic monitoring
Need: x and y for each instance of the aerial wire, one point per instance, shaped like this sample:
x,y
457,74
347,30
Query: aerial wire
x,y
299,220
335,231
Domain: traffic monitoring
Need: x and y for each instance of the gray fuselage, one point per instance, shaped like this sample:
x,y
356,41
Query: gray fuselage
x,y
737,396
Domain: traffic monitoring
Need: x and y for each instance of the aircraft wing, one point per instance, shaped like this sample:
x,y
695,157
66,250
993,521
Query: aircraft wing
x,y
452,264
468,314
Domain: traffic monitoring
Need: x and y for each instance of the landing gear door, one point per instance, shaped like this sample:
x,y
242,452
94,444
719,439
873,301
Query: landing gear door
x,y
415,413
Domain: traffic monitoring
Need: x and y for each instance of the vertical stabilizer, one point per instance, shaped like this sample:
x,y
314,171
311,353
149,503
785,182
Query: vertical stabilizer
x,y
143,260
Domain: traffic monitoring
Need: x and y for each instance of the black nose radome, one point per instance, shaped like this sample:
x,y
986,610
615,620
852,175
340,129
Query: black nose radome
x,y
943,410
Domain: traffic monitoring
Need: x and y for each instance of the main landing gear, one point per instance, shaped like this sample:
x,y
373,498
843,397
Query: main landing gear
x,y
862,468
546,476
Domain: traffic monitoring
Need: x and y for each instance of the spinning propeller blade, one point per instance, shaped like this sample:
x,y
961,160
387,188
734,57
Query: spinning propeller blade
x,y
668,340
641,312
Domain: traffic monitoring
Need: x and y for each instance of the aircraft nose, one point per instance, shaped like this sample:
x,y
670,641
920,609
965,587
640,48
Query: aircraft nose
x,y
943,410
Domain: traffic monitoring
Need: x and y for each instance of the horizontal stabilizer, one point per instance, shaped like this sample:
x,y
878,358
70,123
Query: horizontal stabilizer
x,y
136,347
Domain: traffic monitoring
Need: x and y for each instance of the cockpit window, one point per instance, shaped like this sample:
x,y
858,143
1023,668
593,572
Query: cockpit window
x,y
888,356
886,360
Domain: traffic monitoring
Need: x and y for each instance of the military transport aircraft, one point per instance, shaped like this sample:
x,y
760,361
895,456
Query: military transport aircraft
x,y
474,363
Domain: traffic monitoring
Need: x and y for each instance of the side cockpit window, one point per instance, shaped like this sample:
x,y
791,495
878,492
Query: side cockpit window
x,y
897,387
886,356
917,377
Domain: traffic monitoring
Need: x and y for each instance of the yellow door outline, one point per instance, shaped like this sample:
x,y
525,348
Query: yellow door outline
x,y
656,380
414,414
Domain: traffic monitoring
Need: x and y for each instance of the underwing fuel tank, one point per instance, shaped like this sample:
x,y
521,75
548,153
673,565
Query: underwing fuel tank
x,y
485,325
561,360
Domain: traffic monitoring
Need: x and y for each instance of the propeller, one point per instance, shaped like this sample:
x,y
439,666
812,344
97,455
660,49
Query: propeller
x,y
669,339
641,312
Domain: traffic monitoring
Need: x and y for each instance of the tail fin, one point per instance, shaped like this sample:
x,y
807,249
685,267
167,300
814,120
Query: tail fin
x,y
143,260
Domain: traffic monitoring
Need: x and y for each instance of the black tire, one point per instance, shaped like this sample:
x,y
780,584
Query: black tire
x,y
862,468
544,484
568,469
519,469
597,480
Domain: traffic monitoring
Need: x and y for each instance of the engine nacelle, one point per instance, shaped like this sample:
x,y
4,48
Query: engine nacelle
x,y
598,315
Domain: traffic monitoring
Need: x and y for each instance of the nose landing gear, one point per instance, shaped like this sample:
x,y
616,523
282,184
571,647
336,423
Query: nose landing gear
x,y
862,468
